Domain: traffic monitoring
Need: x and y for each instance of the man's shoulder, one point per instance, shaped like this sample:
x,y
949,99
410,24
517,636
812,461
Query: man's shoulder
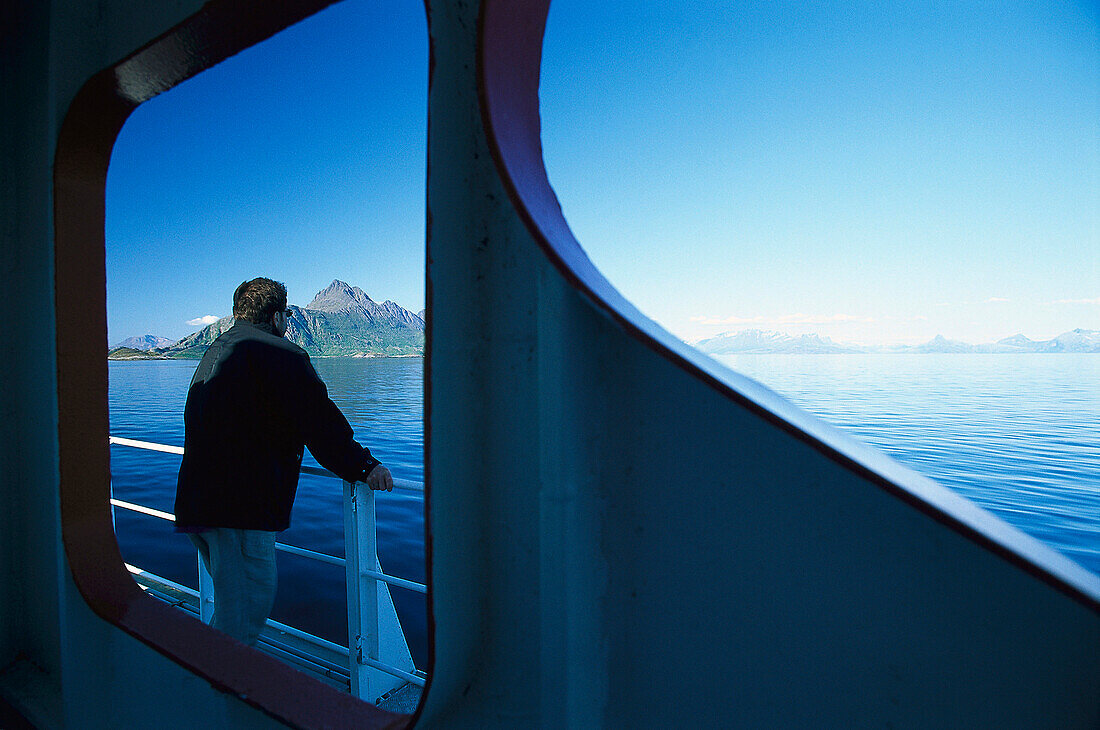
x,y
243,338
243,332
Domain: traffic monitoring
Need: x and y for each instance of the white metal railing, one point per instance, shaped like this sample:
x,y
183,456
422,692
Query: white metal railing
x,y
373,630
403,484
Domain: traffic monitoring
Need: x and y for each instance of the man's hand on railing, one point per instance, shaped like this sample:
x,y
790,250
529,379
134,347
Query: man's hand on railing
x,y
380,479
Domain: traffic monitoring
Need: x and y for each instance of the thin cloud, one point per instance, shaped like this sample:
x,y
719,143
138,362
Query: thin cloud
x,y
990,300
1077,301
203,321
798,318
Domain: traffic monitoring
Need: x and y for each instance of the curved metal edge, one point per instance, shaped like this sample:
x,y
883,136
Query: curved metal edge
x,y
510,36
88,132
426,389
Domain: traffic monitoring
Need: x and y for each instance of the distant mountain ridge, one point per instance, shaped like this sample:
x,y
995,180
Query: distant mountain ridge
x,y
772,342
341,321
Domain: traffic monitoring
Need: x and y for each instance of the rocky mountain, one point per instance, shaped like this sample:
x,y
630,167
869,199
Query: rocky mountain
x,y
342,299
766,341
144,342
340,321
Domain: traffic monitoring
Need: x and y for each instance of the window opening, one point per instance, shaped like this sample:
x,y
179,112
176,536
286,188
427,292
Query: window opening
x,y
886,216
301,159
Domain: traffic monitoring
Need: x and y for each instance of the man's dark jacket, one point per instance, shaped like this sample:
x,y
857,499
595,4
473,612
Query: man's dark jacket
x,y
254,402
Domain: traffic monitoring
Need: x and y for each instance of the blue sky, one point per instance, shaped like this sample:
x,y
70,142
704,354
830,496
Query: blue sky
x,y
301,159
871,172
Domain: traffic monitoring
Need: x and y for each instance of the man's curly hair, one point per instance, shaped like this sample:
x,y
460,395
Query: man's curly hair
x,y
258,300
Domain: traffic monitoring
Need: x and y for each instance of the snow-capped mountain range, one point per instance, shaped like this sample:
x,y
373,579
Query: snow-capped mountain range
x,y
770,341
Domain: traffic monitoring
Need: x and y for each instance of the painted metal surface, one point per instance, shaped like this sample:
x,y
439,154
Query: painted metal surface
x,y
787,575
799,579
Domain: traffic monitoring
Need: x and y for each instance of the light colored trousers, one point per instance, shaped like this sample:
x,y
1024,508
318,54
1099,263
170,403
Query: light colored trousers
x,y
242,566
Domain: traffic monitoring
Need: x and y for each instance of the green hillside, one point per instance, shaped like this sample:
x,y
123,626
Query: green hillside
x,y
341,321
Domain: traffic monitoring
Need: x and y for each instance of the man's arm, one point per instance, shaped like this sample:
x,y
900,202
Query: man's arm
x,y
330,439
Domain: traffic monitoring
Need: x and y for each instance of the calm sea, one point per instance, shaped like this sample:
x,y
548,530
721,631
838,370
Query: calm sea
x,y
1016,433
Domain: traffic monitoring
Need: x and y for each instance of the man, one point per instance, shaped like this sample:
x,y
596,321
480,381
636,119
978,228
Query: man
x,y
255,401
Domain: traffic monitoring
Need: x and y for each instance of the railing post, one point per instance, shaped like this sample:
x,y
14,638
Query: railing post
x,y
206,592
360,552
